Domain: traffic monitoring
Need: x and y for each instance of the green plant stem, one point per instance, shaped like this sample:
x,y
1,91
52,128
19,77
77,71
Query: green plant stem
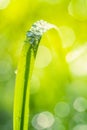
x,y
26,77
21,100
25,68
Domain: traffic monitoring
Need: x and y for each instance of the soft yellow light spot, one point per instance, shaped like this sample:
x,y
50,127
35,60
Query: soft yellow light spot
x,y
79,66
16,71
68,36
78,9
73,55
80,104
4,3
77,60
43,57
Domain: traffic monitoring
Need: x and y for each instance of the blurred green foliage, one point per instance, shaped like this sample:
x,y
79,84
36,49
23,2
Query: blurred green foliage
x,y
51,93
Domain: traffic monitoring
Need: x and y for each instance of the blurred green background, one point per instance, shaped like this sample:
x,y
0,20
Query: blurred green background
x,y
55,103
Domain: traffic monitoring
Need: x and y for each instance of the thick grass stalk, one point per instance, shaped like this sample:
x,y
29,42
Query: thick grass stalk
x,y
25,67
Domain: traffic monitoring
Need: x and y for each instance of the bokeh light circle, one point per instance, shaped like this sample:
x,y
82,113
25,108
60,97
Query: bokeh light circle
x,y
62,109
67,35
34,122
58,124
78,9
80,127
43,57
80,104
43,120
80,117
4,3
78,67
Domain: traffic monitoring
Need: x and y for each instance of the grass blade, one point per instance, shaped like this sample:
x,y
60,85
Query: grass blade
x,y
25,67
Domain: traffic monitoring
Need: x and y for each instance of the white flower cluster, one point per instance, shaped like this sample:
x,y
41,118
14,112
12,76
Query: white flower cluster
x,y
36,31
